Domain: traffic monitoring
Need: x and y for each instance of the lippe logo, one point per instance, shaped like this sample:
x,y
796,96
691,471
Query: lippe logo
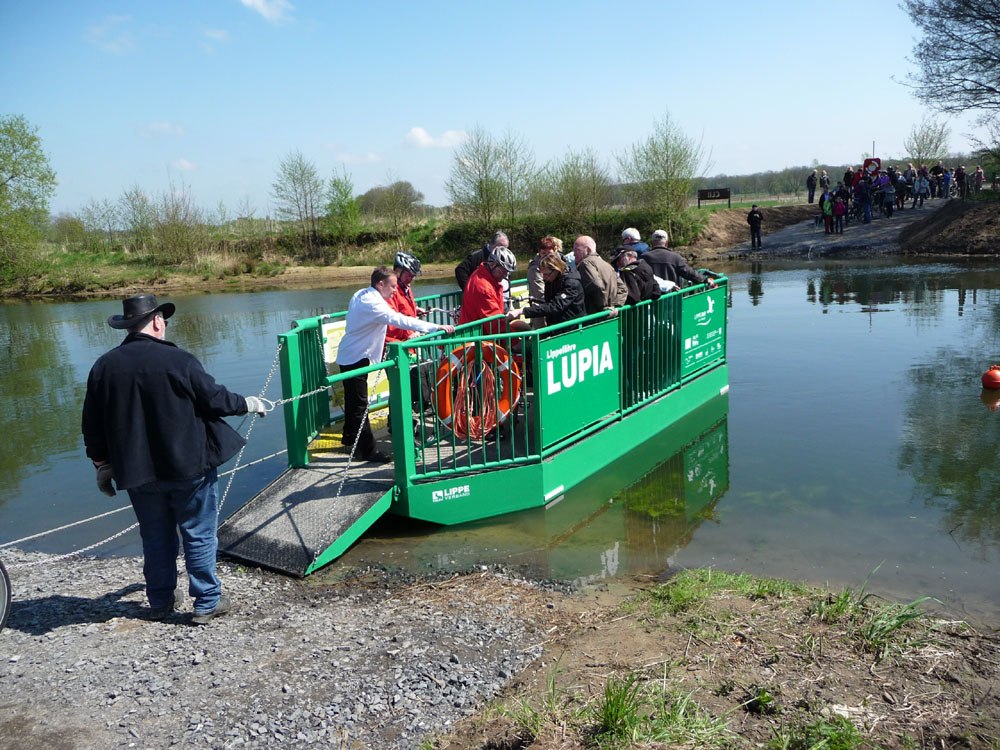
x,y
452,493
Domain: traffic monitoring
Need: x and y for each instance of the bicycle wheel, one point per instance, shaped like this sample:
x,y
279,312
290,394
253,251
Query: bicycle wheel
x,y
4,595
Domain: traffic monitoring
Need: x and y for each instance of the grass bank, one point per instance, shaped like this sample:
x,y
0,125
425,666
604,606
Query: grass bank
x,y
116,265
717,660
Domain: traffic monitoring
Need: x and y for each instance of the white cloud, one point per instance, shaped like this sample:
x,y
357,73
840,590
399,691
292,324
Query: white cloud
x,y
182,165
220,35
422,139
110,35
368,158
275,11
161,129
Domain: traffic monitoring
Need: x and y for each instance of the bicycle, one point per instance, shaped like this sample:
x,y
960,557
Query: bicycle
x,y
4,595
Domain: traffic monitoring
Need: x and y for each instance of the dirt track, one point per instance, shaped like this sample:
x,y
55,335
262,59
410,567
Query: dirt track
x,y
798,238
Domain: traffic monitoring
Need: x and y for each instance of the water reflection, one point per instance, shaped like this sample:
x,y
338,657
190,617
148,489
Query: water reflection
x,y
37,380
950,445
598,530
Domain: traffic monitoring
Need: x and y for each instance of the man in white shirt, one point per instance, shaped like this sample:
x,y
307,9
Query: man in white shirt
x,y
368,315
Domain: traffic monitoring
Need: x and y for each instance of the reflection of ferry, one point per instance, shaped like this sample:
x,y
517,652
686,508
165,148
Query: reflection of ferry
x,y
583,395
613,526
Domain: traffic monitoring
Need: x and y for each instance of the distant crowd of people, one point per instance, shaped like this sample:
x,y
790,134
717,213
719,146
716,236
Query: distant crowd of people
x,y
864,192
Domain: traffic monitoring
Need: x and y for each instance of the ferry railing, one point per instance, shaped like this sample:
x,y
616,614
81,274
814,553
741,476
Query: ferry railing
x,y
643,344
657,345
304,369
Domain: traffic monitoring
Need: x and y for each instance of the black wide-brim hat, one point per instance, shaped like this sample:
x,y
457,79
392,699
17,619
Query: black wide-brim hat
x,y
139,308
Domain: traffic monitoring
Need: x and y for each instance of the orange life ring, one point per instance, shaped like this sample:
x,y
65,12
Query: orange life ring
x,y
459,362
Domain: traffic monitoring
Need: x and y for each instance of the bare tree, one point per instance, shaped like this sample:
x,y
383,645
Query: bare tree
x,y
927,141
298,194
575,188
516,173
659,170
475,185
958,58
137,214
180,226
100,218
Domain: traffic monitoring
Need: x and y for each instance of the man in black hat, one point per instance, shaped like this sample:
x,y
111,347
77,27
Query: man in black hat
x,y
152,421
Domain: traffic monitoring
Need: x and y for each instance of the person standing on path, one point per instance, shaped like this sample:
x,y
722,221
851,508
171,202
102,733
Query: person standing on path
x,y
811,181
754,219
962,182
839,212
824,182
152,421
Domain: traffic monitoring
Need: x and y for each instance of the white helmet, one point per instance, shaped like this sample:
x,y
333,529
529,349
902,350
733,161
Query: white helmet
x,y
505,258
408,262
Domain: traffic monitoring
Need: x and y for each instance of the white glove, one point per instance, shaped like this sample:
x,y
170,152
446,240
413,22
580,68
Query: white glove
x,y
256,406
105,473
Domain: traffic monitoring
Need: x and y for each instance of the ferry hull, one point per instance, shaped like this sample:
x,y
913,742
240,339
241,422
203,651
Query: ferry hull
x,y
459,499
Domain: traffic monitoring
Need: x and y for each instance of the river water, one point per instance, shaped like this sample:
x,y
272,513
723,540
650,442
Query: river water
x,y
854,436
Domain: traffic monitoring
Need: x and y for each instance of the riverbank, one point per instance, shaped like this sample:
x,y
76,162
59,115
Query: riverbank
x,y
481,660
963,228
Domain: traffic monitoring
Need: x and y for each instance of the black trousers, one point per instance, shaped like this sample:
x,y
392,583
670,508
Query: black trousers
x,y
356,411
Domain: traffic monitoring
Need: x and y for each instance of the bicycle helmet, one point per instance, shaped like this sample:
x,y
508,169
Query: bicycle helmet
x,y
408,262
505,258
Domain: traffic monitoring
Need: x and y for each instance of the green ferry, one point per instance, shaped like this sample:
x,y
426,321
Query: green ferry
x,y
478,425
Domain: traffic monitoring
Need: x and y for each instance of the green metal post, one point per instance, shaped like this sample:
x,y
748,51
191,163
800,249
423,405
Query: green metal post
x,y
291,385
403,452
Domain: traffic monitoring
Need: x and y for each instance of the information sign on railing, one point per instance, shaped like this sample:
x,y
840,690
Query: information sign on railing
x,y
703,328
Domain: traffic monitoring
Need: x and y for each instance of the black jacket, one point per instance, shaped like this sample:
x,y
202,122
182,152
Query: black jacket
x,y
670,266
755,217
467,267
639,281
563,300
156,415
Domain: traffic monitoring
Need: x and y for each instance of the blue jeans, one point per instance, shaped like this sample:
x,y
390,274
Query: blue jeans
x,y
162,508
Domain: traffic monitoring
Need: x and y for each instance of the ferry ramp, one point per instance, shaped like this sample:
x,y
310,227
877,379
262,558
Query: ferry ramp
x,y
298,522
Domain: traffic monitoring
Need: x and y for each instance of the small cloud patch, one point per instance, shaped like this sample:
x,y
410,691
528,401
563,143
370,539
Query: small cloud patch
x,y
274,11
368,158
422,139
111,35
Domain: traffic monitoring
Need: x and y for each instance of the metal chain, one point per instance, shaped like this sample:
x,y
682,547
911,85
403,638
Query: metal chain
x,y
321,547
246,438
62,528
50,560
231,472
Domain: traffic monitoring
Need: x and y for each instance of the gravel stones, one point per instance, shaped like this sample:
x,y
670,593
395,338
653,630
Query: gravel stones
x,y
383,663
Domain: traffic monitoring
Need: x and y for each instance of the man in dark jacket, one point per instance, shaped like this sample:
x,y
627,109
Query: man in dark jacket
x,y
811,181
637,275
755,218
476,258
671,266
152,421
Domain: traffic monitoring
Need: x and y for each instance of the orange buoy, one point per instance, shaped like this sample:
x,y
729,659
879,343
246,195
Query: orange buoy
x,y
991,378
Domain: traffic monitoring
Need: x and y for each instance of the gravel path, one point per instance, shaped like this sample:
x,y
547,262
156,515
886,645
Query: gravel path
x,y
375,661
806,239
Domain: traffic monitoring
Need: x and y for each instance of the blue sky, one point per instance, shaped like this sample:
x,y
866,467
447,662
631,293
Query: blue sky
x,y
213,94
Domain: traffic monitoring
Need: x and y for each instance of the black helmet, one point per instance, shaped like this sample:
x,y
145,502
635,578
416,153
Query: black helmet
x,y
408,262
